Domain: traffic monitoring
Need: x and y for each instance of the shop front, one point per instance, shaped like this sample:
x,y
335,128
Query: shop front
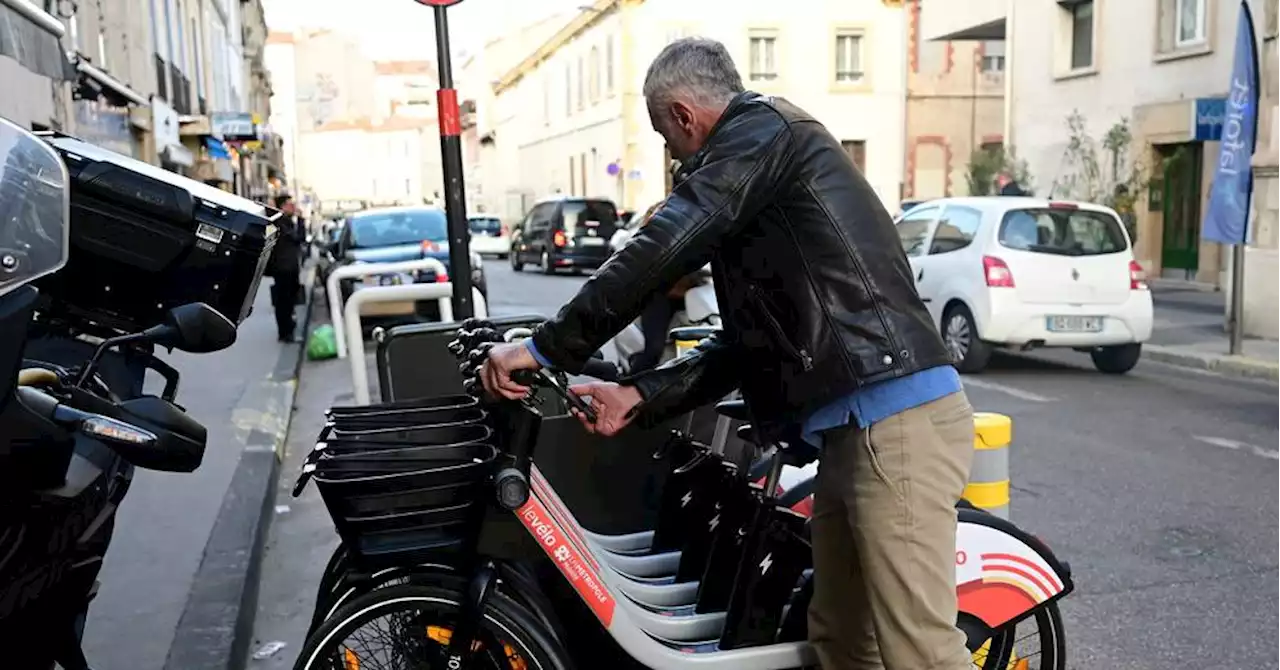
x,y
1181,140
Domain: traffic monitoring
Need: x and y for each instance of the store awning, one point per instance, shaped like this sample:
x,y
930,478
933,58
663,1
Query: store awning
x,y
991,31
31,37
112,88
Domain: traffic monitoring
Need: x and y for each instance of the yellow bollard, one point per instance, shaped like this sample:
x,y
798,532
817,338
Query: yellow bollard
x,y
988,487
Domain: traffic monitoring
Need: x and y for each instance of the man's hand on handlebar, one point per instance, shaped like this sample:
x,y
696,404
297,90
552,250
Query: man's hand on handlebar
x,y
613,404
504,359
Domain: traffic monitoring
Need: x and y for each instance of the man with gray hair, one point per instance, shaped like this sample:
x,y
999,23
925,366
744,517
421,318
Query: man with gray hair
x,y
824,335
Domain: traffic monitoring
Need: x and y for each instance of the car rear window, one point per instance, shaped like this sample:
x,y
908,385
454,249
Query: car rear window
x,y
385,229
582,214
1063,232
484,225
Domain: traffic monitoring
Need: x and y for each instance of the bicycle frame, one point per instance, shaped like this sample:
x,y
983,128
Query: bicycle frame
x,y
1003,576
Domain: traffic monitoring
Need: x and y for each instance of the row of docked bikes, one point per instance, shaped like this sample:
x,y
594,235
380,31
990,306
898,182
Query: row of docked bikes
x,y
458,552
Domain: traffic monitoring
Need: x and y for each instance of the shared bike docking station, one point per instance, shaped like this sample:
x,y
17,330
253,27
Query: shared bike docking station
x,y
705,571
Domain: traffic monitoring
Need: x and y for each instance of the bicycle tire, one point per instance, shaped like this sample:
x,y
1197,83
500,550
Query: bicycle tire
x,y
1053,643
516,584
504,621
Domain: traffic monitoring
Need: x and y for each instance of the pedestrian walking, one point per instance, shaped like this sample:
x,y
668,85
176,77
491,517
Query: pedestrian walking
x,y
824,335
284,267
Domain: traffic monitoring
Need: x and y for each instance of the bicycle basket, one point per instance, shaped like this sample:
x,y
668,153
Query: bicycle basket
x,y
406,479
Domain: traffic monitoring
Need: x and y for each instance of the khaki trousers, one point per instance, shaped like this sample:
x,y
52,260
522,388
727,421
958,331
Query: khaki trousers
x,y
884,541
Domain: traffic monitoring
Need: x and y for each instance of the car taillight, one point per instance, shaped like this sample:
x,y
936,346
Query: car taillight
x,y
430,247
559,239
996,272
1137,277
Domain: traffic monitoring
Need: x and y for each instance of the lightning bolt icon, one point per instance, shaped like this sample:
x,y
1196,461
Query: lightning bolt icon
x,y
715,521
766,563
684,502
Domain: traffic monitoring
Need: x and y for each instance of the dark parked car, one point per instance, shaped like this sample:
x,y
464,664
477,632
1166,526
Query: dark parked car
x,y
565,233
399,234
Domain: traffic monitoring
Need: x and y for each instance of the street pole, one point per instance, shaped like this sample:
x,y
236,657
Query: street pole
x,y
455,202
1236,320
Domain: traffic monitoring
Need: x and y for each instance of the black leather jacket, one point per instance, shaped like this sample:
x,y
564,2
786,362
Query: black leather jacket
x,y
816,293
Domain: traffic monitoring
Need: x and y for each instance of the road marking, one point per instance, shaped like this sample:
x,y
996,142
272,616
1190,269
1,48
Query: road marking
x,y
1007,390
1236,445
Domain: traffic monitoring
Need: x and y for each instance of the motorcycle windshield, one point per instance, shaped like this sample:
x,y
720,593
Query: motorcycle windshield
x,y
34,208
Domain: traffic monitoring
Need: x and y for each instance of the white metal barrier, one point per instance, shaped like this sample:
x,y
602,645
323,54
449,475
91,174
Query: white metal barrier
x,y
333,292
354,334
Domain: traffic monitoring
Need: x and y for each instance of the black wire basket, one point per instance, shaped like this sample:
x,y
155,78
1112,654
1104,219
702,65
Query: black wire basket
x,y
405,479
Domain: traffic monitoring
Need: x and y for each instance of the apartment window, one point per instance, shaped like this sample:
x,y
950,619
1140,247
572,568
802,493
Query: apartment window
x,y
195,44
608,65
1081,34
764,57
992,56
848,57
1189,23
568,89
102,51
595,74
406,187
857,152
582,84
572,177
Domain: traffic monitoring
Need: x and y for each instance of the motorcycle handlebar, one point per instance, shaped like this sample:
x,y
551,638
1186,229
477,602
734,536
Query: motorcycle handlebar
x,y
108,429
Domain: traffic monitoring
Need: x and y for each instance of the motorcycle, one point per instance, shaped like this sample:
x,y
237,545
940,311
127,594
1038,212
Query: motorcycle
x,y
700,309
74,419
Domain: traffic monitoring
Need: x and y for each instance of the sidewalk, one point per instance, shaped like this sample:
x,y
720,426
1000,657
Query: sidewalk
x,y
1189,332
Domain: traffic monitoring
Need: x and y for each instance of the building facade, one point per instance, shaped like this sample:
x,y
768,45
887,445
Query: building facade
x,y
1261,265
33,70
584,129
955,106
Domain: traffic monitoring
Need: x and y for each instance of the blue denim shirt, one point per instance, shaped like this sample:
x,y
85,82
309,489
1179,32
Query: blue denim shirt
x,y
869,404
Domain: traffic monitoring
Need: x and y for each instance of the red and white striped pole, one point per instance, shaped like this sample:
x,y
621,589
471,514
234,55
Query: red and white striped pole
x,y
455,203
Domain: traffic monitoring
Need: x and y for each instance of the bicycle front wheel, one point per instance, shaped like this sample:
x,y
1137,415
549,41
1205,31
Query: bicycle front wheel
x,y
410,626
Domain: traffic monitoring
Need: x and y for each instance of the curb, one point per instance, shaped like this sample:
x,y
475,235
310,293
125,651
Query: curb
x,y
1232,366
216,626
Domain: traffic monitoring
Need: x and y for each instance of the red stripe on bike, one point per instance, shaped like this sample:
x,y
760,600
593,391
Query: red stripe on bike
x,y
542,488
1048,577
551,536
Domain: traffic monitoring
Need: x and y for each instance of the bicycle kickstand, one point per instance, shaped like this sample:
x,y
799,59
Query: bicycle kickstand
x,y
462,644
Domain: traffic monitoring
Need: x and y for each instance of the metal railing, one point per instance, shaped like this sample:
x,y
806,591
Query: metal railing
x,y
354,328
162,77
333,292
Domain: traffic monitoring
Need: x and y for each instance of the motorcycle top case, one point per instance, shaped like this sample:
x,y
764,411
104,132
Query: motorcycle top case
x,y
144,240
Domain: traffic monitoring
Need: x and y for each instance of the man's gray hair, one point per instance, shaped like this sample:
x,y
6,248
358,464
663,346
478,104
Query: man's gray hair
x,y
697,68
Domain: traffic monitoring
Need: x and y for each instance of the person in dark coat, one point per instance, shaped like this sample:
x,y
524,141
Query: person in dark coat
x,y
284,267
1007,185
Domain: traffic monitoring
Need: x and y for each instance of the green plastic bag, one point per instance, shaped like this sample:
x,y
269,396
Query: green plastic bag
x,y
323,344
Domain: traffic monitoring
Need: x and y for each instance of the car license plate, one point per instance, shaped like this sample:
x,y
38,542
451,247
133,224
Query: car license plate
x,y
591,241
1074,324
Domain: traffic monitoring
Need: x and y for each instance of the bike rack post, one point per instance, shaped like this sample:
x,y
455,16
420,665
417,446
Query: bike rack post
x,y
355,328
357,270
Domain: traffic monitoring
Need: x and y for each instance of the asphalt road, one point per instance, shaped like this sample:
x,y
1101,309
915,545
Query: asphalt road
x,y
1159,487
164,522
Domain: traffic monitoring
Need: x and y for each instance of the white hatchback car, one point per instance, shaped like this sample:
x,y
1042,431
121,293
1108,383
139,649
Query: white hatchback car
x,y
1023,273
489,236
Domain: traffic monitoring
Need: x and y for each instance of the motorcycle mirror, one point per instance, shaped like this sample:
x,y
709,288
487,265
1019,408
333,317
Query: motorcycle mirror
x,y
194,328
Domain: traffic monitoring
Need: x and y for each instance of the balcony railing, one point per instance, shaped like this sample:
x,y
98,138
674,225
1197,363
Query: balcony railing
x,y
162,77
181,98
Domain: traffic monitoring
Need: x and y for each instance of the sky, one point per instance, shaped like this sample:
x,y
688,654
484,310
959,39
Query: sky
x,y
405,30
